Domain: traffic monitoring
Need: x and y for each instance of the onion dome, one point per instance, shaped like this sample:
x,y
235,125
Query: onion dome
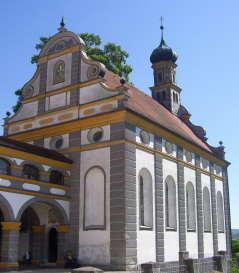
x,y
163,53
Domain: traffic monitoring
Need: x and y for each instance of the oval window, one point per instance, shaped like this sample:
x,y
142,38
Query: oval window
x,y
56,142
144,137
95,134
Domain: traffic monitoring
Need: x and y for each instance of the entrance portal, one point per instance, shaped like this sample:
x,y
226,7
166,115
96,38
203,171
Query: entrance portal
x,y
53,245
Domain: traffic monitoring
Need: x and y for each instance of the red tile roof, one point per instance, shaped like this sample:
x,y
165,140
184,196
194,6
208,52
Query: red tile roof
x,y
33,149
146,106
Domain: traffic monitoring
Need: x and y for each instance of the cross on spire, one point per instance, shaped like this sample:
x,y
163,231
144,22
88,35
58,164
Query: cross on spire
x,y
161,27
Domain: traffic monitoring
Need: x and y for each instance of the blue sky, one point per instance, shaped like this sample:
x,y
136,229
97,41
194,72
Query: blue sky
x,y
203,33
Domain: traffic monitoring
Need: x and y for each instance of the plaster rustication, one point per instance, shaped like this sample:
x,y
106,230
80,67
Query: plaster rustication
x,y
227,211
75,203
43,78
41,105
214,213
199,211
75,67
123,206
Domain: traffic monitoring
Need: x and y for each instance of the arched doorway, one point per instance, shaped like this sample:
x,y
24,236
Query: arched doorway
x,y
52,245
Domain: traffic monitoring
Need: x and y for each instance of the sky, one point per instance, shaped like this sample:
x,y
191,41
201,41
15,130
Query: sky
x,y
204,33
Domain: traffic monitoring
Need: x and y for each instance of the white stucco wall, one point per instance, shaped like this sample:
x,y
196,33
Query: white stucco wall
x,y
95,244
145,238
94,92
27,110
16,200
171,238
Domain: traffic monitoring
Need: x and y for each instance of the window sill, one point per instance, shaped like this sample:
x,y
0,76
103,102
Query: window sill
x,y
94,227
171,229
191,230
145,228
220,231
207,231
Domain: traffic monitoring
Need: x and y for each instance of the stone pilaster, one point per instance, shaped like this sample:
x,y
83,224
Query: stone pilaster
x,y
227,211
9,250
75,67
63,241
74,214
181,202
123,235
159,202
38,244
214,210
199,209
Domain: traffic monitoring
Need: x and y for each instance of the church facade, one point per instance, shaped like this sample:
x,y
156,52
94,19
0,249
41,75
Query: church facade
x,y
94,166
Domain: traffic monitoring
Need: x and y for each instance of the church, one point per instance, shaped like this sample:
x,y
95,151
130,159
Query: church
x,y
93,166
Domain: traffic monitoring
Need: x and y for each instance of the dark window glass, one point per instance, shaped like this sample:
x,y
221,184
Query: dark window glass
x,y
160,77
59,143
142,201
56,178
30,172
5,166
97,136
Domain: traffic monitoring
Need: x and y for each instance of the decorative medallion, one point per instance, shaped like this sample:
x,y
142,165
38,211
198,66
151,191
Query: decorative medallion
x,y
27,92
52,217
60,45
59,73
93,72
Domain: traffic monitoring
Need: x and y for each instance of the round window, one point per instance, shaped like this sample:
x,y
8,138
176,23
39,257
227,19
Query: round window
x,y
95,134
144,137
189,156
56,142
204,163
169,147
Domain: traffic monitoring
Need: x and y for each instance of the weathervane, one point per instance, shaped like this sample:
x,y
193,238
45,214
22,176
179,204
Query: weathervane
x,y
161,27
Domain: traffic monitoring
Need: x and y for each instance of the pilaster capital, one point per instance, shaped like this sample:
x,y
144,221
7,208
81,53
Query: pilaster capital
x,y
63,228
11,225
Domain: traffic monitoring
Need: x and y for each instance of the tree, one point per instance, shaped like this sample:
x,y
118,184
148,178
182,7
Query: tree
x,y
235,246
112,56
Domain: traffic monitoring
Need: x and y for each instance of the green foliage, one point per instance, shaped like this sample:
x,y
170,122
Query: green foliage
x,y
235,246
234,268
90,39
44,40
112,56
18,92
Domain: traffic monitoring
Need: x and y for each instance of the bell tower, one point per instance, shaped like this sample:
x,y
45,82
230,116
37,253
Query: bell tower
x,y
165,90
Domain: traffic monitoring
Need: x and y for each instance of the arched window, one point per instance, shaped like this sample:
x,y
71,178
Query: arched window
x,y
164,95
94,209
170,203
5,166
220,212
206,210
30,172
146,199
160,77
56,178
191,212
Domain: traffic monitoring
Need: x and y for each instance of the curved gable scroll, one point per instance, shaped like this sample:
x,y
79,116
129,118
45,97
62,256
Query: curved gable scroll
x,y
61,41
